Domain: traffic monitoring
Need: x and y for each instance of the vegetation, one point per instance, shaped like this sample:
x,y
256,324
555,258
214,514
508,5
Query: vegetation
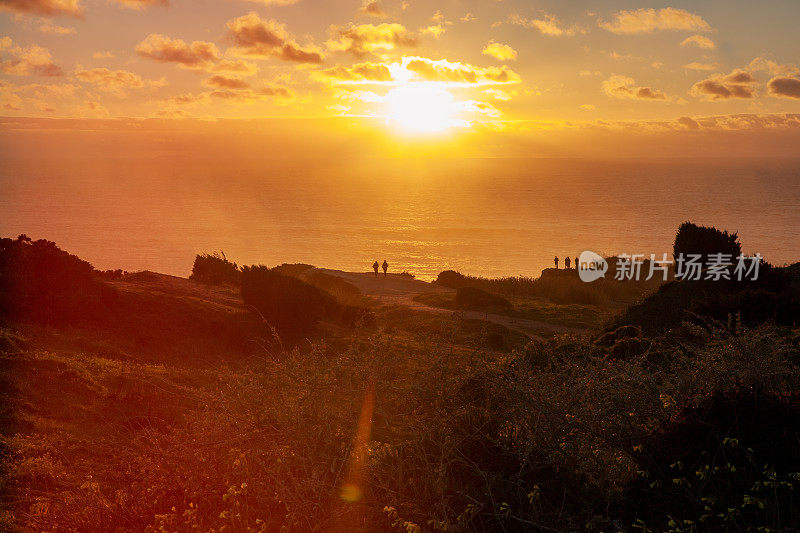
x,y
215,269
704,241
425,422
558,286
478,299
292,306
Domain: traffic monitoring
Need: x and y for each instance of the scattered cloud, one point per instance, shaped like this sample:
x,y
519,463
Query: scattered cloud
x,y
701,66
469,17
115,81
784,87
255,37
54,29
501,52
276,93
102,55
275,2
224,82
139,5
462,73
44,8
701,41
761,63
547,25
360,72
625,87
373,8
26,61
689,123
198,54
364,39
652,20
738,84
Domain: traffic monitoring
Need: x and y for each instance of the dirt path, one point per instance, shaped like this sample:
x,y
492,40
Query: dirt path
x,y
401,290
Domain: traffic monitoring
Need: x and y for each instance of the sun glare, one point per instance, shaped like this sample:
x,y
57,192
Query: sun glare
x,y
422,108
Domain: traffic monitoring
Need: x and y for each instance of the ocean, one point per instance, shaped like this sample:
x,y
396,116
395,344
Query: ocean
x,y
488,217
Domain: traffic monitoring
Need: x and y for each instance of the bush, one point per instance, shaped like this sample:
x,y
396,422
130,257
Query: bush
x,y
703,240
729,463
474,298
41,282
215,269
292,306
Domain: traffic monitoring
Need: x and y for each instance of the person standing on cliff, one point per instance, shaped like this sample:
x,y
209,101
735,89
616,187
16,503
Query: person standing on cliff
x,y
375,267
385,267
566,263
556,261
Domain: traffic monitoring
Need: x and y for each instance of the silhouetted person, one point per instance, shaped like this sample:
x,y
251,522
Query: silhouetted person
x,y
566,263
576,263
385,267
375,267
556,260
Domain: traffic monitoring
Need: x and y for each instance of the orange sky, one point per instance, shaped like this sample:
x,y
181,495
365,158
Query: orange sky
x,y
461,77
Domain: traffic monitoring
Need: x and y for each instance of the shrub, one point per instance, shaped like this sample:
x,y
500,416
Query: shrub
x,y
41,282
215,269
292,306
703,240
474,298
730,463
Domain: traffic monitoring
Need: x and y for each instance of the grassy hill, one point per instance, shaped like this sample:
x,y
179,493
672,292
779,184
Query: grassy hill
x,y
164,407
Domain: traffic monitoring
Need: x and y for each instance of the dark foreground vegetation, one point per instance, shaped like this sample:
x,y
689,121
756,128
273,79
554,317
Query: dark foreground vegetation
x,y
168,408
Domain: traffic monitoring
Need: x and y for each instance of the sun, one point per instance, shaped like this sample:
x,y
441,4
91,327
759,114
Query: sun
x,y
422,107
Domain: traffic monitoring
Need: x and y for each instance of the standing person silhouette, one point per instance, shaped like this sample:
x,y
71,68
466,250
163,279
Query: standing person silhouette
x,y
375,267
385,267
566,263
576,263
556,261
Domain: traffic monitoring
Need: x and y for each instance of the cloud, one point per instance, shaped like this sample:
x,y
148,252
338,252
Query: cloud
x,y
26,61
501,52
461,73
625,87
139,5
469,17
653,20
102,55
44,8
700,41
373,9
689,123
701,66
738,84
115,81
53,29
255,37
224,82
360,72
250,96
549,25
437,30
275,2
784,87
367,39
776,69
198,54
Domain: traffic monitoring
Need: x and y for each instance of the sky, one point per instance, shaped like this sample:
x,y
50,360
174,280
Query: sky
x,y
485,77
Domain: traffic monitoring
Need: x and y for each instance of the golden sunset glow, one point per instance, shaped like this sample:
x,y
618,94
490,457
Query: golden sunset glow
x,y
422,107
